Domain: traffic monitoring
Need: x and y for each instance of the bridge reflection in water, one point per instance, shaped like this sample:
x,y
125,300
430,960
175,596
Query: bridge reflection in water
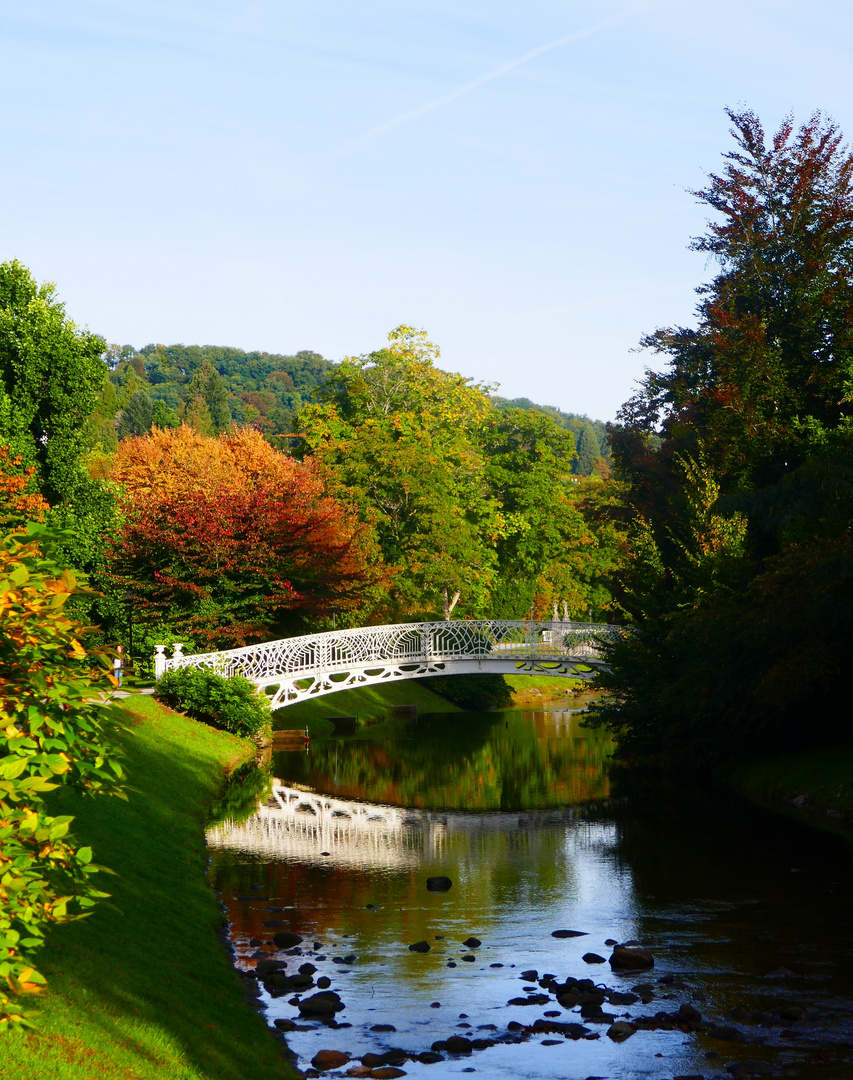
x,y
296,824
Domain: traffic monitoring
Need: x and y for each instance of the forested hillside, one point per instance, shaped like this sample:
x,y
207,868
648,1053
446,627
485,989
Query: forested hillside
x,y
210,387
592,443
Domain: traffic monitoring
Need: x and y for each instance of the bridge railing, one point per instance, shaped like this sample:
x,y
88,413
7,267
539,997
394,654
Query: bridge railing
x,y
403,643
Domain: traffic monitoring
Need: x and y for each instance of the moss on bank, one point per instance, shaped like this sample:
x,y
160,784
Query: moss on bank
x,y
143,990
815,785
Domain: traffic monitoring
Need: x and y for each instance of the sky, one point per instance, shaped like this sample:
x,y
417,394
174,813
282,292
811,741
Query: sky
x,y
308,174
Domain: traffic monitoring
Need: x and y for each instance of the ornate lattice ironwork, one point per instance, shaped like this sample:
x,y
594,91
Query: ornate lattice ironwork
x,y
294,669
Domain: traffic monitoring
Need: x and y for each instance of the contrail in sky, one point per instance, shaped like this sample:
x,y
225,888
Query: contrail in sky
x,y
495,73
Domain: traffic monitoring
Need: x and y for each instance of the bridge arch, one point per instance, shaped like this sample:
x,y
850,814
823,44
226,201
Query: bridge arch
x,y
296,669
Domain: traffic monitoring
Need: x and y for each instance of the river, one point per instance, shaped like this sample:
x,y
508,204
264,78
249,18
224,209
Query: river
x,y
746,913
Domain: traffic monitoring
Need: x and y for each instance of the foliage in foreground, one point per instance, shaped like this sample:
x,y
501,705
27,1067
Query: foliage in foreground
x,y
230,704
53,727
143,990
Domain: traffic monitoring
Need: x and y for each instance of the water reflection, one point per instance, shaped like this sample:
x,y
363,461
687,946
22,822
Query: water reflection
x,y
342,846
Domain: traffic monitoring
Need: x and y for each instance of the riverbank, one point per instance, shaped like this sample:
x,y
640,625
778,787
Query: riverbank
x,y
374,704
813,785
143,989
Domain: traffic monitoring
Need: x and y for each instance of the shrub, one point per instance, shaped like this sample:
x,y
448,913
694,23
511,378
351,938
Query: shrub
x,y
231,704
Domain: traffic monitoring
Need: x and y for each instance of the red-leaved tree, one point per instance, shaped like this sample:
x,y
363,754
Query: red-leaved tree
x,y
245,551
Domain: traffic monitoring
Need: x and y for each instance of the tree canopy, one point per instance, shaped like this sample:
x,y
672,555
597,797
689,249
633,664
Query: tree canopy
x,y
737,458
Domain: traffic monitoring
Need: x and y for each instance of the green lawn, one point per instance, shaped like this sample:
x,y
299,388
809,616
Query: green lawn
x,y
369,703
143,990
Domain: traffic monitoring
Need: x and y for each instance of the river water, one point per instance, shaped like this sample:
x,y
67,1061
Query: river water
x,y
746,913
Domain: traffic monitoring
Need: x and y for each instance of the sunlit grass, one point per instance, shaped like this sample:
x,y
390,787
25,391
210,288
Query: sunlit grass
x,y
143,990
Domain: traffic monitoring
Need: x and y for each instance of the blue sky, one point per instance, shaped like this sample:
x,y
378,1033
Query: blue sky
x,y
286,174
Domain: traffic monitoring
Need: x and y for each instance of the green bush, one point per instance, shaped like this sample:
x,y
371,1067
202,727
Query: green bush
x,y
231,704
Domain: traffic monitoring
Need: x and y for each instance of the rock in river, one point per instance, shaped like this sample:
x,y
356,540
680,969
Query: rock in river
x,y
325,1003
438,884
592,958
329,1059
620,1030
472,943
624,958
568,933
286,939
420,946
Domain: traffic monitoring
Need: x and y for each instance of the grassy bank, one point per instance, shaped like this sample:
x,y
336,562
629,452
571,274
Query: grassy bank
x,y
370,704
537,689
143,990
815,785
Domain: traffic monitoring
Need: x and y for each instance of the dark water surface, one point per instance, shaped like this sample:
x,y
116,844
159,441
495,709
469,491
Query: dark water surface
x,y
747,913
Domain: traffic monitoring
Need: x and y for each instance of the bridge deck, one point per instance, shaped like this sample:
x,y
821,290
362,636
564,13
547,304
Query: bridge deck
x,y
293,669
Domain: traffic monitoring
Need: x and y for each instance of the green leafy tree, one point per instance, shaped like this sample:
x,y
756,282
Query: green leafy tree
x,y
51,374
207,385
53,728
555,551
137,416
736,460
400,439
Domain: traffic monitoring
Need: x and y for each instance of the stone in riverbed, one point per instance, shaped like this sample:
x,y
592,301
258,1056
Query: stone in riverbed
x,y
724,1033
568,933
325,1003
456,1044
324,982
472,943
420,946
624,958
383,1027
592,958
429,1057
438,884
329,1059
386,1072
620,1031
286,939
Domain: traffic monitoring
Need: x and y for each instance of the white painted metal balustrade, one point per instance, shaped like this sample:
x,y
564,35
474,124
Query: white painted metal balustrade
x,y
294,669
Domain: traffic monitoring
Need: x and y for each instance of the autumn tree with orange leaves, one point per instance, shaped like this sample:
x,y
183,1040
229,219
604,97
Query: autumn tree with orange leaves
x,y
17,502
229,542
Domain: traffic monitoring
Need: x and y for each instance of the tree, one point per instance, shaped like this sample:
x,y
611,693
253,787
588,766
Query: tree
x,y
137,416
398,438
53,728
737,459
18,503
207,385
230,542
51,373
770,365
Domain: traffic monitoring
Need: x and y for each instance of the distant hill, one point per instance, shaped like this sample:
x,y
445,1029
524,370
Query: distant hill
x,y
266,390
590,435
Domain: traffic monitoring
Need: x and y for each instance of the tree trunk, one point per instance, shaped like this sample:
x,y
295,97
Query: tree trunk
x,y
449,605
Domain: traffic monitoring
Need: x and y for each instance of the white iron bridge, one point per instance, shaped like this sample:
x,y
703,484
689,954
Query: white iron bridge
x,y
298,668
